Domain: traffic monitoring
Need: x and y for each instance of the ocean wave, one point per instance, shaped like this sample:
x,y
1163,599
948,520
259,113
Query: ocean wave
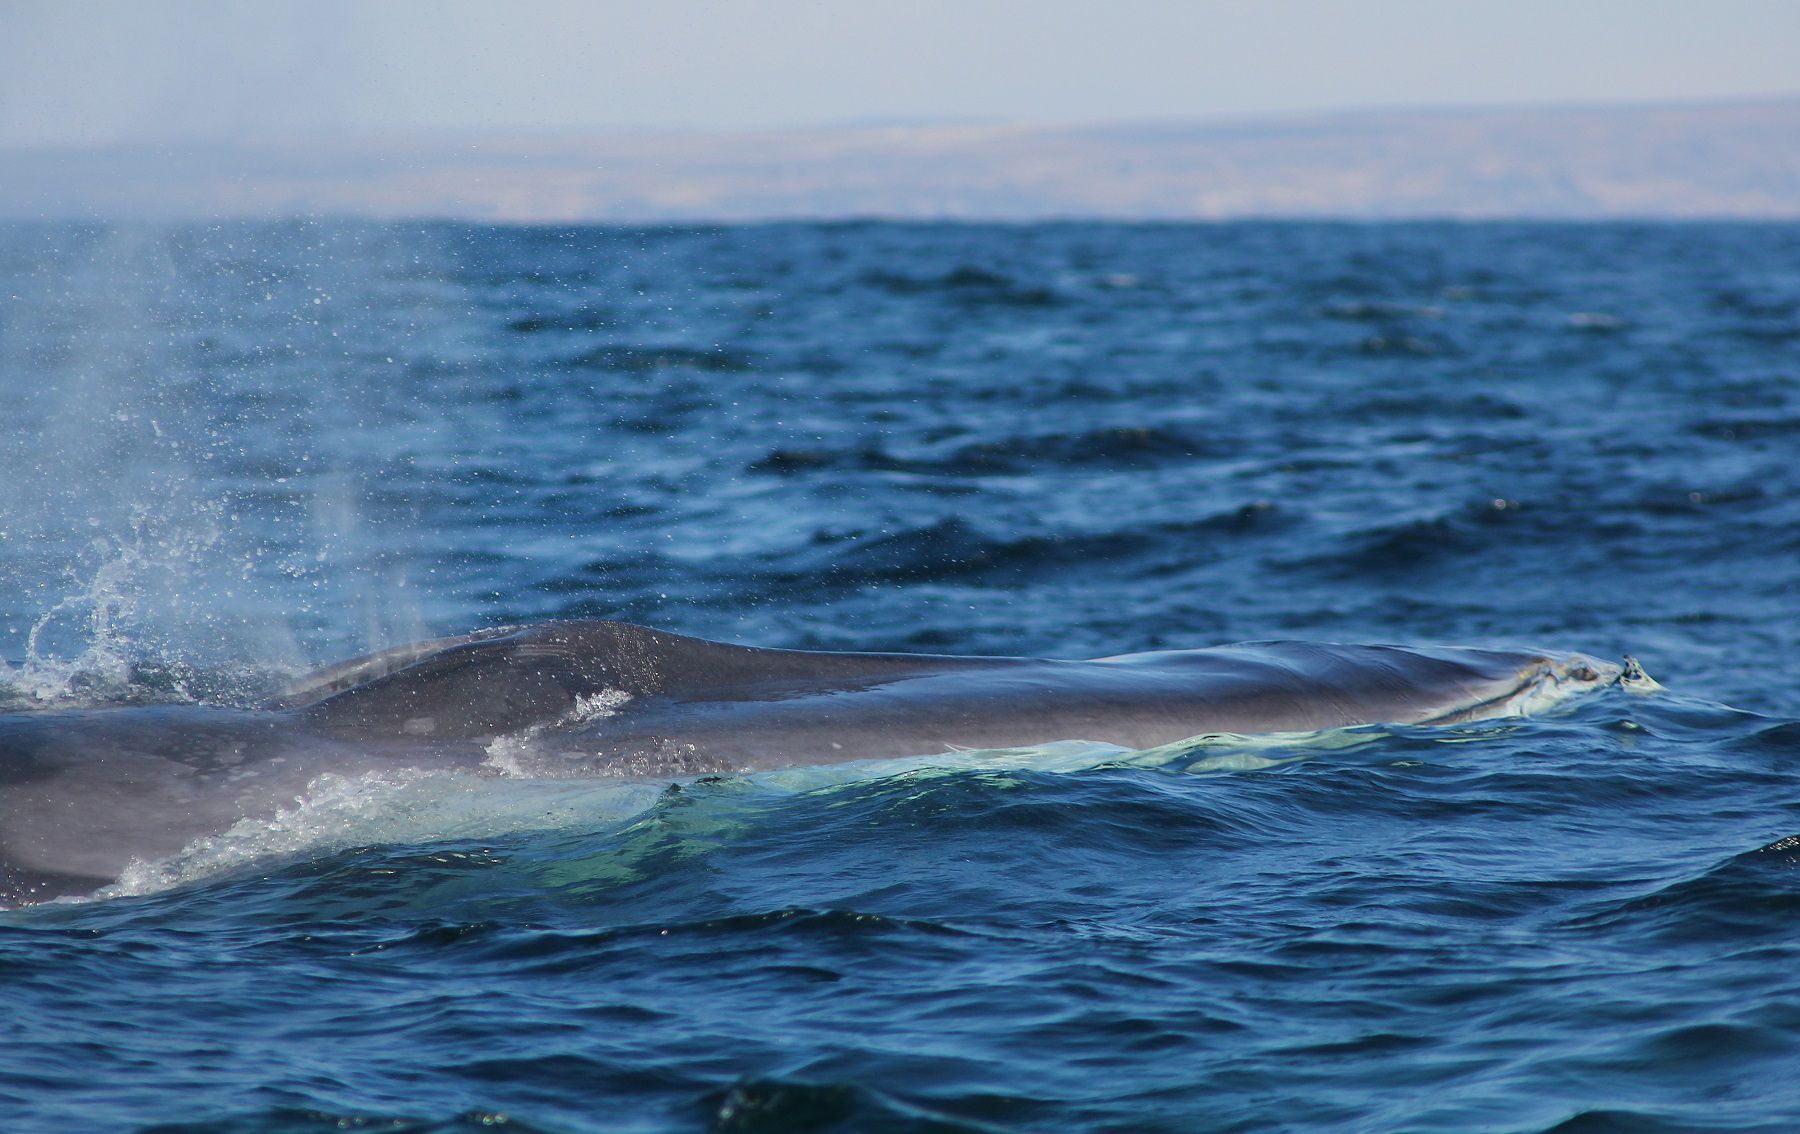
x,y
243,446
952,549
967,285
1746,428
1744,898
646,359
572,321
777,1106
1115,447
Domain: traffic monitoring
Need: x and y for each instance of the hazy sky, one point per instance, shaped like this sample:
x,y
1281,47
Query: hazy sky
x,y
73,71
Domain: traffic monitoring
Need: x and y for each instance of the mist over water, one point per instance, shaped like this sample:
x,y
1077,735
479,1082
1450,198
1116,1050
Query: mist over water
x,y
232,453
190,483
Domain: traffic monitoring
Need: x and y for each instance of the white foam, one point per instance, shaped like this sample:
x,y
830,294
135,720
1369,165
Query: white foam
x,y
1558,684
408,806
510,754
393,807
597,706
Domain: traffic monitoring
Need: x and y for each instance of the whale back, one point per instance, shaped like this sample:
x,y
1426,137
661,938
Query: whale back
x,y
515,679
624,689
82,793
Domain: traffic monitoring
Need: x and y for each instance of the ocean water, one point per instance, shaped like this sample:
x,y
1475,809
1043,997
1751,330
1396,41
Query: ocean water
x,y
233,453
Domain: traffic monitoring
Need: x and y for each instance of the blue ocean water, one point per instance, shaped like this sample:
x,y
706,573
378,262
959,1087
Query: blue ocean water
x,y
234,452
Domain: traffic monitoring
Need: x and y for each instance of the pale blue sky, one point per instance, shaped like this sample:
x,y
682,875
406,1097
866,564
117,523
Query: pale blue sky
x,y
79,71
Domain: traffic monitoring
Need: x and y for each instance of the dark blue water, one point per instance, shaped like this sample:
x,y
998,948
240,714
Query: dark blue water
x,y
231,453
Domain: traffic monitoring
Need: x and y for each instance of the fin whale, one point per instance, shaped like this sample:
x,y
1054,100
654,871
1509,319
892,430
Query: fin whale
x,y
85,792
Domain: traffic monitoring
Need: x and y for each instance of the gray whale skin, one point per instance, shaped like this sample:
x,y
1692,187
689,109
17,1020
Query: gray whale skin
x,y
85,792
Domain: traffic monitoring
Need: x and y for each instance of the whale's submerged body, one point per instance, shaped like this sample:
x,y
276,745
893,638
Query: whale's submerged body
x,y
84,793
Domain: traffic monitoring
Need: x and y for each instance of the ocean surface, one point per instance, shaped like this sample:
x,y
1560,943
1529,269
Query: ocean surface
x,y
229,454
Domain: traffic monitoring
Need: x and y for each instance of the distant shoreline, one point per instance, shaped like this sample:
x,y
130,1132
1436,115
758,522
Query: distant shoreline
x,y
1663,161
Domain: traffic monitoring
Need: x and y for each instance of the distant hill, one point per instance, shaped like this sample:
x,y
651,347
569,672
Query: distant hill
x,y
1701,160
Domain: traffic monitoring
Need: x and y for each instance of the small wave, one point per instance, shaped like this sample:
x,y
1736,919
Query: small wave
x,y
1411,544
1125,446
1748,895
1372,311
1479,407
1781,739
1747,428
1404,346
1766,334
788,461
1120,447
313,1120
968,285
1596,322
952,549
1404,546
777,1106
1761,305
578,319
1626,1120
550,952
631,359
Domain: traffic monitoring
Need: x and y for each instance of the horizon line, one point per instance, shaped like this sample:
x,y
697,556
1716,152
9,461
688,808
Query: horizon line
x,y
880,124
